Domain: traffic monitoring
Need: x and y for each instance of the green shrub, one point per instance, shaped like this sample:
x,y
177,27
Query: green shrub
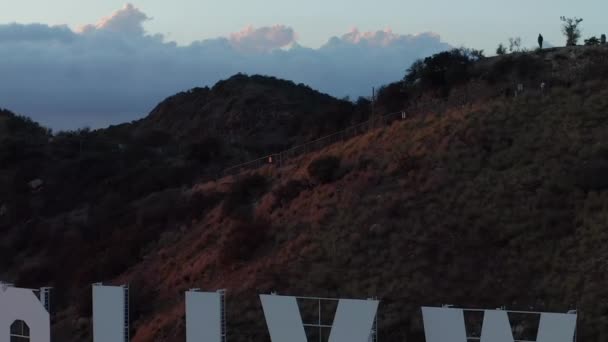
x,y
200,202
243,193
443,71
206,150
593,175
592,41
84,302
12,151
597,70
524,66
141,297
243,240
34,275
392,97
285,193
527,66
501,50
325,169
153,138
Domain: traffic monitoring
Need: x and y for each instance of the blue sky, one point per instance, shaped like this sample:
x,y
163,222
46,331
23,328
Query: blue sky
x,y
475,23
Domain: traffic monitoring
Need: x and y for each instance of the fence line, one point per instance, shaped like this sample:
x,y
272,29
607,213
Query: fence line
x,y
280,158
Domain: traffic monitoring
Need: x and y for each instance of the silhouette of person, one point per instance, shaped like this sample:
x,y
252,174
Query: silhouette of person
x,y
540,41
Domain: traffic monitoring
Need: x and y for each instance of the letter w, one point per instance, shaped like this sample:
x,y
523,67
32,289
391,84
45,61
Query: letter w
x,y
447,325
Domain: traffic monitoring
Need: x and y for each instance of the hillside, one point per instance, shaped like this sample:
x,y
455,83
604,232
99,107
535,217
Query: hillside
x,y
89,191
190,136
501,201
246,116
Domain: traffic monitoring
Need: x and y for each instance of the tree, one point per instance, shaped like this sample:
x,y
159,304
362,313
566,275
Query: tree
x,y
442,71
570,29
592,41
501,50
603,39
515,44
540,41
414,73
477,54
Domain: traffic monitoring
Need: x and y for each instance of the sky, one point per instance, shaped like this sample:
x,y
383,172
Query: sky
x,y
91,62
475,23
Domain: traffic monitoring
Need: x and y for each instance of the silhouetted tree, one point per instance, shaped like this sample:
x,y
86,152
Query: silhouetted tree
x,y
540,41
477,54
501,50
571,30
515,44
391,97
592,41
414,73
442,71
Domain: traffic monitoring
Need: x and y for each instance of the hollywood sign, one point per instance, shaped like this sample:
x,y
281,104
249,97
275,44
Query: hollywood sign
x,y
24,317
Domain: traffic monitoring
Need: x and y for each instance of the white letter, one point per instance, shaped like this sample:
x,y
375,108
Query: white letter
x,y
18,305
496,327
556,327
444,325
283,318
109,324
354,320
203,321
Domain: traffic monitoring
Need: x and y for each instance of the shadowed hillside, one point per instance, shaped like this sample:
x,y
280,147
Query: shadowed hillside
x,y
246,116
501,201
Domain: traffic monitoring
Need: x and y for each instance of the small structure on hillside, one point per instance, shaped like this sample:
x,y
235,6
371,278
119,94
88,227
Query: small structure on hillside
x,y
542,88
519,89
36,184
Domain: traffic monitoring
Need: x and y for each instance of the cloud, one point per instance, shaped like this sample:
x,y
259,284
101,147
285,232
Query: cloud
x,y
113,71
263,39
35,33
382,38
127,20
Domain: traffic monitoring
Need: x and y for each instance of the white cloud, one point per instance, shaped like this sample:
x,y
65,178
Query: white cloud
x,y
263,39
113,71
380,38
127,20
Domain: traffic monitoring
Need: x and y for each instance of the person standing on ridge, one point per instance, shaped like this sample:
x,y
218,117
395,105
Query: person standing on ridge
x,y
540,41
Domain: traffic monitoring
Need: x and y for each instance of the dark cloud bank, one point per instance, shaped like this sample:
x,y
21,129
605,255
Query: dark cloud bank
x,y
114,71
